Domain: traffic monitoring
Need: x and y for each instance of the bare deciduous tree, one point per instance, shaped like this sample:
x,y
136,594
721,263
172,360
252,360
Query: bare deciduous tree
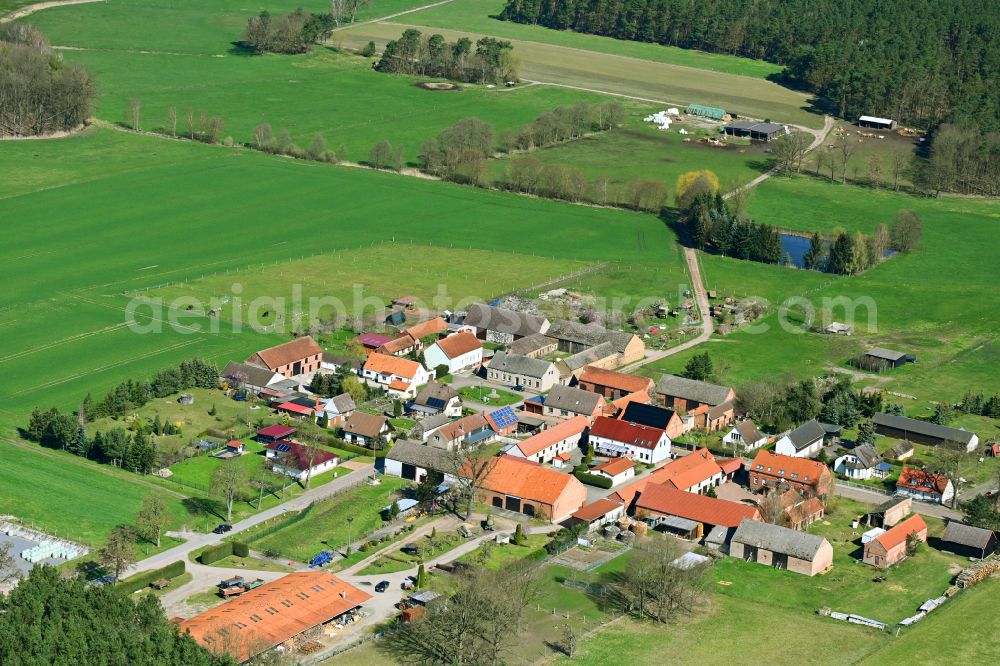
x,y
471,469
135,114
229,481
171,123
653,586
152,517
117,553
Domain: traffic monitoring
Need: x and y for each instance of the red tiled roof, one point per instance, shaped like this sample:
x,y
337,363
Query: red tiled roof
x,y
690,470
626,433
614,467
429,327
527,480
398,345
621,403
296,408
274,612
276,431
460,343
800,470
300,454
288,353
920,480
899,533
730,465
399,385
617,380
595,510
386,364
701,508
550,436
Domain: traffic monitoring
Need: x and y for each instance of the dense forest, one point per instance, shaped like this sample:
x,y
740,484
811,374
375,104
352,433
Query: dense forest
x,y
921,63
39,93
49,620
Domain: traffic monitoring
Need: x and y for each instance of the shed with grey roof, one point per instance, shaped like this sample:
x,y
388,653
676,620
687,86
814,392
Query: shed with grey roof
x,y
760,132
522,371
781,548
923,432
416,461
253,377
671,387
566,401
502,325
803,442
969,541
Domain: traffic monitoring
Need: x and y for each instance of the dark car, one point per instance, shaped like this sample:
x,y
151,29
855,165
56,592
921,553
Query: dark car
x,y
382,586
518,388
222,529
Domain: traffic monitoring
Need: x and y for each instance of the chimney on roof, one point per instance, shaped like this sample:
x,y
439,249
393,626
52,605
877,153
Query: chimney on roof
x,y
343,594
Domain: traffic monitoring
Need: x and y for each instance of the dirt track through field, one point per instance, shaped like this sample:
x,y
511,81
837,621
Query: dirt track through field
x,y
39,6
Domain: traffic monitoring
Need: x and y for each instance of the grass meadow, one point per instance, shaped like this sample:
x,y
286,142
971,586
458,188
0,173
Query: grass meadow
x,y
938,302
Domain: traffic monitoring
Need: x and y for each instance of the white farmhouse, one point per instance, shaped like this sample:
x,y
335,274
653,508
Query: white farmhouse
x,y
459,351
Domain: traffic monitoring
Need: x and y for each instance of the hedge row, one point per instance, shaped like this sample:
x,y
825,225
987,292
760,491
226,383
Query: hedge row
x,y
142,580
593,479
361,450
224,550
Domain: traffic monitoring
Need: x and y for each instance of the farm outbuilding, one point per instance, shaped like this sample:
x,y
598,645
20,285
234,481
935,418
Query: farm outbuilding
x,y
875,122
781,548
712,112
760,132
969,541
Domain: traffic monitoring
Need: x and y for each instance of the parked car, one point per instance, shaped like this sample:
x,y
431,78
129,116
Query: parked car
x,y
382,586
222,529
518,387
407,584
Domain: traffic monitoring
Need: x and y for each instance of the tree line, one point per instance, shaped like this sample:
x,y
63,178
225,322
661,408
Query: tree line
x,y
918,63
133,450
850,254
39,93
413,53
462,152
292,33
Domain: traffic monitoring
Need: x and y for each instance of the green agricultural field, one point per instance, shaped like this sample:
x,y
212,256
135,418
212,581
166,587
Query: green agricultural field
x,y
324,526
621,75
97,238
71,497
360,282
209,28
477,16
938,302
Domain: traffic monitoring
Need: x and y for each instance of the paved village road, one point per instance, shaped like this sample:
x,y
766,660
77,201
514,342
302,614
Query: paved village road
x,y
196,540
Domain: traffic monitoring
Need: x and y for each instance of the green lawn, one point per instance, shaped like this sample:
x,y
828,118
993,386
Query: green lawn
x,y
950,630
494,555
475,394
324,526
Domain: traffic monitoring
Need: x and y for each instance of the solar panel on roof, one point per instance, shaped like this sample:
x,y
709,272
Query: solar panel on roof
x,y
436,402
504,417
283,448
